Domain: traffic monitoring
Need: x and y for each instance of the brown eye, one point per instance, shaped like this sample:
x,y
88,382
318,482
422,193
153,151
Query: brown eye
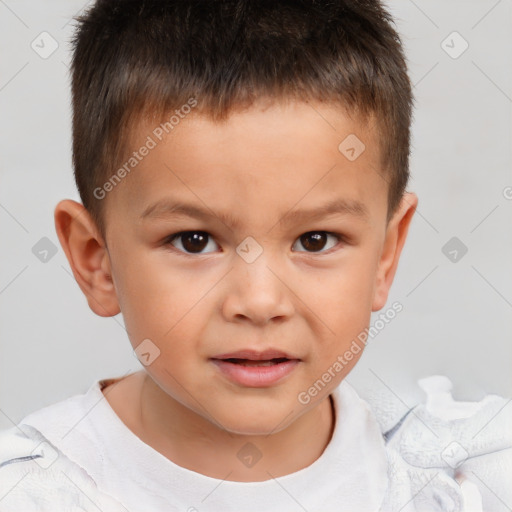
x,y
315,241
192,242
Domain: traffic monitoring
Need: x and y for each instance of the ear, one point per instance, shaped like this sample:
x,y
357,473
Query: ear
x,y
396,233
87,255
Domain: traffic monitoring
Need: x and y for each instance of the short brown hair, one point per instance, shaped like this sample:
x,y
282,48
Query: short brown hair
x,y
138,58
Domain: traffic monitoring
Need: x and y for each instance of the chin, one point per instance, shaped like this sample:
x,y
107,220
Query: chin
x,y
260,430
257,423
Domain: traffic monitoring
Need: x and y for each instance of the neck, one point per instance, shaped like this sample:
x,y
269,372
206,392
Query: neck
x,y
196,443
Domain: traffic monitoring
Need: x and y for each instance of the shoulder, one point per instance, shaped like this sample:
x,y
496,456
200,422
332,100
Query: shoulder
x,y
36,476
457,455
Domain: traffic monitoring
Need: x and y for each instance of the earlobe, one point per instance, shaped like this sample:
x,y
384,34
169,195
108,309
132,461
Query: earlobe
x,y
87,256
396,235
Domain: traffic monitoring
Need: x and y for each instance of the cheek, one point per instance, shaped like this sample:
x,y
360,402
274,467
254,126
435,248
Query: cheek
x,y
343,303
152,298
348,290
166,306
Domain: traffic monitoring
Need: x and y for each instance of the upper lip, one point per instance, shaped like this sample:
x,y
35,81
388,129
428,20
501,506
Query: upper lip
x,y
254,355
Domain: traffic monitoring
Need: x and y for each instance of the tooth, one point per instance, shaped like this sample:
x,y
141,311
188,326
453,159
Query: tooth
x,y
257,363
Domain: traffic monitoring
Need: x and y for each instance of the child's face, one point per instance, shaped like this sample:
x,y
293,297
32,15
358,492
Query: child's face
x,y
252,279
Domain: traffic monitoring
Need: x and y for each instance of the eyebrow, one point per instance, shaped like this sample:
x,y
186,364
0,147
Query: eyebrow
x,y
166,208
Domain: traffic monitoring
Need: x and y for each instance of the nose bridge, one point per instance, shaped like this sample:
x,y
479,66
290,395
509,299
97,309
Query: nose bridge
x,y
256,271
256,291
253,264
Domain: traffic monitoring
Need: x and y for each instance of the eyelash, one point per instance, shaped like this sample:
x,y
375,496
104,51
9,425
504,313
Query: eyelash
x,y
168,241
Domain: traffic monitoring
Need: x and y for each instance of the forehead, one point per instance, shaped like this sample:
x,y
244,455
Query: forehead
x,y
265,157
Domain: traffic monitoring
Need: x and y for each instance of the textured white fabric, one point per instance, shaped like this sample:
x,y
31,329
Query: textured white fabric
x,y
77,455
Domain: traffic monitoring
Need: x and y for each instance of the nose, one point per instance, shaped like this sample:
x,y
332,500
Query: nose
x,y
258,292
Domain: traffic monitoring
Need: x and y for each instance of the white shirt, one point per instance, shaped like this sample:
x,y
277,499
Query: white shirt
x,y
77,455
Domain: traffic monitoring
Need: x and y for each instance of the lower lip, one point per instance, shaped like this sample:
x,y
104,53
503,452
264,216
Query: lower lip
x,y
256,376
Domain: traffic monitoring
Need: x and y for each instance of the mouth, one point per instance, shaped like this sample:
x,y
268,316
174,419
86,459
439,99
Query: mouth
x,y
256,369
250,362
268,355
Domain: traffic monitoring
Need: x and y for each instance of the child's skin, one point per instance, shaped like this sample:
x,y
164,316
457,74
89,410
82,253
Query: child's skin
x,y
310,302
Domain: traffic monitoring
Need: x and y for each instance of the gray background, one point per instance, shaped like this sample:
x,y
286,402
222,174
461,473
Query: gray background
x,y
457,317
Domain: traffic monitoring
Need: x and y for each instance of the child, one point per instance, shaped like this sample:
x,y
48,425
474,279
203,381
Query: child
x,y
242,167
